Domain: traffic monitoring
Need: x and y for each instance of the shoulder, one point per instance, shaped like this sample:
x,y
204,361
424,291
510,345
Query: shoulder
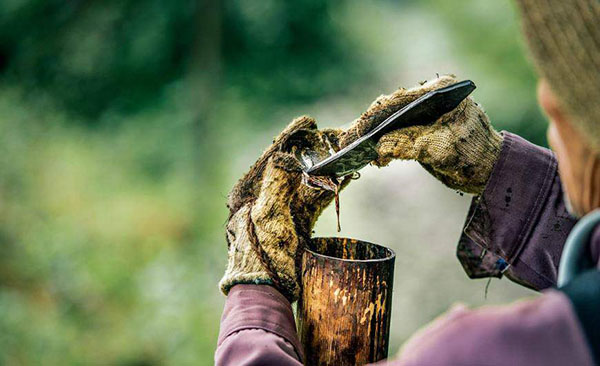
x,y
543,330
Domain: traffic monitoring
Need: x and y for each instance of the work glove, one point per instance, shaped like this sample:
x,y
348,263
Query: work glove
x,y
459,149
272,213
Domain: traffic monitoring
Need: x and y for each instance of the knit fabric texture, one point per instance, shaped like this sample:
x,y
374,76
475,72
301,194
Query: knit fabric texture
x,y
459,149
261,234
564,40
272,214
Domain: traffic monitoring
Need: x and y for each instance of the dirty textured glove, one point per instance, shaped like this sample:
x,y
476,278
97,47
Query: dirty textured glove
x,y
272,214
459,149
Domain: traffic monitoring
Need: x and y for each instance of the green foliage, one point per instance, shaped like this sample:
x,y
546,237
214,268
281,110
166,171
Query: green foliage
x,y
101,255
90,55
120,54
112,235
288,51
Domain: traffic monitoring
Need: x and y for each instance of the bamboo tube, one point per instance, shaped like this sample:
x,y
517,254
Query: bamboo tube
x,y
345,306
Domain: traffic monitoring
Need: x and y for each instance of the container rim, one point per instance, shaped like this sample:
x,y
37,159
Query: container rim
x,y
391,254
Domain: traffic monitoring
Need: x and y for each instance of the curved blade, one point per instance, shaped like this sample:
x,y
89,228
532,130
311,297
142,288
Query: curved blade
x,y
423,111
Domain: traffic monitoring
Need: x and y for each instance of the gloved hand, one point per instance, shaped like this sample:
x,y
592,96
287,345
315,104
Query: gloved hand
x,y
272,214
460,149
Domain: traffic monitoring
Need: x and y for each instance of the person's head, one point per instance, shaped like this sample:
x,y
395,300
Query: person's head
x,y
564,40
579,164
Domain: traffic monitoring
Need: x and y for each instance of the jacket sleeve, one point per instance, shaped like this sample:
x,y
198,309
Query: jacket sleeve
x,y
542,331
257,328
518,226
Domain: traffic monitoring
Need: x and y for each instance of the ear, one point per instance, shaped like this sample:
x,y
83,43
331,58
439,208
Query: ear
x,y
549,103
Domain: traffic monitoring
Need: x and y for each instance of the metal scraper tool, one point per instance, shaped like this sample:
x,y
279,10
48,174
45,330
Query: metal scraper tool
x,y
423,111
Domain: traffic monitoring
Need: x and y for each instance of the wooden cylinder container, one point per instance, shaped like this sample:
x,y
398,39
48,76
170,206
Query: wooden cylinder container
x,y
345,306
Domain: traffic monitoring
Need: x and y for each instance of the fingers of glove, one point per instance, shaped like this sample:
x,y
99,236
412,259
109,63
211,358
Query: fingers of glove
x,y
272,219
432,145
296,131
408,143
280,180
333,136
302,123
450,178
459,114
386,105
301,133
433,84
271,211
310,203
237,225
404,144
246,189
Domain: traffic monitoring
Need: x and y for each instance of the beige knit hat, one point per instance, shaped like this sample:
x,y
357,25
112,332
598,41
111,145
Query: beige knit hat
x,y
564,39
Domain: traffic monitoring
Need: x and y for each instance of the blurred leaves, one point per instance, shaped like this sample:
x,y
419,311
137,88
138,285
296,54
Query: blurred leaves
x,y
289,51
124,123
90,55
120,54
109,235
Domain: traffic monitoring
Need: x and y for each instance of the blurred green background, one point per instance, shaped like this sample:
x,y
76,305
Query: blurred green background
x,y
124,123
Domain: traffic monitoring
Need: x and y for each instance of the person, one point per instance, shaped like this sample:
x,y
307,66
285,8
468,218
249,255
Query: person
x,y
526,202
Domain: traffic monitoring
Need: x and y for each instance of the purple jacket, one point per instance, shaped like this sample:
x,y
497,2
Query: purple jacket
x,y
517,229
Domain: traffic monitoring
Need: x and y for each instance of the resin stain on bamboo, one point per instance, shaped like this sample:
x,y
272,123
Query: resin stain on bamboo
x,y
344,309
